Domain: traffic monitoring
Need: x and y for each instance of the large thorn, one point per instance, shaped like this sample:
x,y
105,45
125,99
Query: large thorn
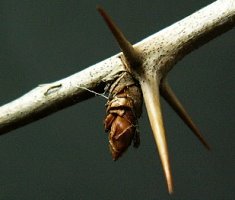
x,y
131,55
151,97
168,94
152,103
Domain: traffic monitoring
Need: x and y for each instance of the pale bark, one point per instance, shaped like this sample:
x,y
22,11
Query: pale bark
x,y
161,50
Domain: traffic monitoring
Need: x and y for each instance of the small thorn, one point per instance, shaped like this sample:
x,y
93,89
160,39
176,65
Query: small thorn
x,y
152,103
168,94
131,55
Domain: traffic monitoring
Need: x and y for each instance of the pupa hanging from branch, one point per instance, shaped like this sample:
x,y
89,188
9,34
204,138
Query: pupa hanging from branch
x,y
123,109
153,83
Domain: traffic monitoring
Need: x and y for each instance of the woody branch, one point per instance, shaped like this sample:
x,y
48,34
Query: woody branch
x,y
165,48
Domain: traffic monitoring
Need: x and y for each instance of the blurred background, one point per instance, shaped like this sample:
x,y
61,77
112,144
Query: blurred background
x,y
66,155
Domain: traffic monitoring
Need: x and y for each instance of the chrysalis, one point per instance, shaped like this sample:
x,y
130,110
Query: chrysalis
x,y
123,109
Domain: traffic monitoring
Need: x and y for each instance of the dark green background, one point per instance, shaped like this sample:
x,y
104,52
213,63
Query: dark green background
x,y
66,156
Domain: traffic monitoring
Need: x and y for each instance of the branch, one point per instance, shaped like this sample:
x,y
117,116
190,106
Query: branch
x,y
162,50
52,97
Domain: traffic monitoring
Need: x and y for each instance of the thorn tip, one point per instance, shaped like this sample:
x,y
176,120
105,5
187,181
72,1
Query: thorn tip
x,y
168,94
131,55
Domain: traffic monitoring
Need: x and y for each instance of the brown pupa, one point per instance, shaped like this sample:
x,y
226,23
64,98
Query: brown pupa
x,y
123,109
